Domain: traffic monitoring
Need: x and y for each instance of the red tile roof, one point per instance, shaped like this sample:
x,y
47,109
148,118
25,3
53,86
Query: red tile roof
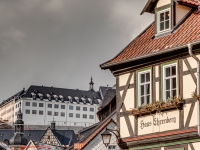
x,y
145,44
193,2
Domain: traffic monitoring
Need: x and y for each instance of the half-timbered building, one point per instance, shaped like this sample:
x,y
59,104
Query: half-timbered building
x,y
158,80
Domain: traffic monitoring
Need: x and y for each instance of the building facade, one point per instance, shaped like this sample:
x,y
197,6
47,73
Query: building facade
x,y
41,104
157,80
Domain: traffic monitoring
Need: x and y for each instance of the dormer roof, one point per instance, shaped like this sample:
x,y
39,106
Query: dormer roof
x,y
146,45
151,4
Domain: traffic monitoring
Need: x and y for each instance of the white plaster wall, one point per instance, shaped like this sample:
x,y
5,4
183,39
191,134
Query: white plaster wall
x,y
36,119
123,128
193,121
124,78
196,146
181,11
186,108
157,71
162,3
188,86
129,99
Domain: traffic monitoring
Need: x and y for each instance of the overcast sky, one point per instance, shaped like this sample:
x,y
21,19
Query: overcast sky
x,y
61,43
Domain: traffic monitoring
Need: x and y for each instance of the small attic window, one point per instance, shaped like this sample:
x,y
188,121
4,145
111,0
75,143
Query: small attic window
x,y
49,97
55,97
70,99
61,97
33,95
163,20
90,100
77,99
41,96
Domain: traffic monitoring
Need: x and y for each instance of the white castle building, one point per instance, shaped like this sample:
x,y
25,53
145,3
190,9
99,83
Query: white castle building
x,y
41,104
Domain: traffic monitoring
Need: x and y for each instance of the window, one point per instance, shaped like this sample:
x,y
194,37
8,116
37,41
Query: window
x,y
62,106
84,116
91,109
55,113
91,116
78,108
62,114
111,147
70,114
41,104
34,104
49,113
27,103
84,108
27,111
49,105
71,107
163,20
170,81
144,87
77,115
56,106
34,112
40,112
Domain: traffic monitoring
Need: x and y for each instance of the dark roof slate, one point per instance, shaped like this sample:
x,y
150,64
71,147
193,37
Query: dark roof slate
x,y
104,89
64,92
110,94
64,136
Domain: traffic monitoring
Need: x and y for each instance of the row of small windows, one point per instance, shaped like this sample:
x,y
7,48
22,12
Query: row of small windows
x,y
78,108
34,104
41,112
49,113
83,116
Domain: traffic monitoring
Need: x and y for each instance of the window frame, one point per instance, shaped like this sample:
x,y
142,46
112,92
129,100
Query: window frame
x,y
27,103
34,103
49,105
27,111
35,112
41,104
62,106
40,112
158,19
56,105
71,115
78,107
85,108
139,73
71,107
169,64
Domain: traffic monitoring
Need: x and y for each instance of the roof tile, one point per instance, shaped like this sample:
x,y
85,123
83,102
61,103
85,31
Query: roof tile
x,y
147,44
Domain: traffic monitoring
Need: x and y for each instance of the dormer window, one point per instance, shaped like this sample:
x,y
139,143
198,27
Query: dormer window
x,y
163,23
41,96
55,97
61,97
33,95
49,97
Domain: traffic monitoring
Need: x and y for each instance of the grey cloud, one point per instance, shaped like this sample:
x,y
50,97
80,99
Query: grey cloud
x,y
62,42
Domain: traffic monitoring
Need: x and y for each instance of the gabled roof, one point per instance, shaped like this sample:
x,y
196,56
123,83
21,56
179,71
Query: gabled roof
x,y
146,45
151,4
84,141
103,90
64,136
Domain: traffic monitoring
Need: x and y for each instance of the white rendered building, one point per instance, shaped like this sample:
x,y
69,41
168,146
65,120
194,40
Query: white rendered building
x,y
68,107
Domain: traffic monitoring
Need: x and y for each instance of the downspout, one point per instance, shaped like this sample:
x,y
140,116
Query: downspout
x,y
198,84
